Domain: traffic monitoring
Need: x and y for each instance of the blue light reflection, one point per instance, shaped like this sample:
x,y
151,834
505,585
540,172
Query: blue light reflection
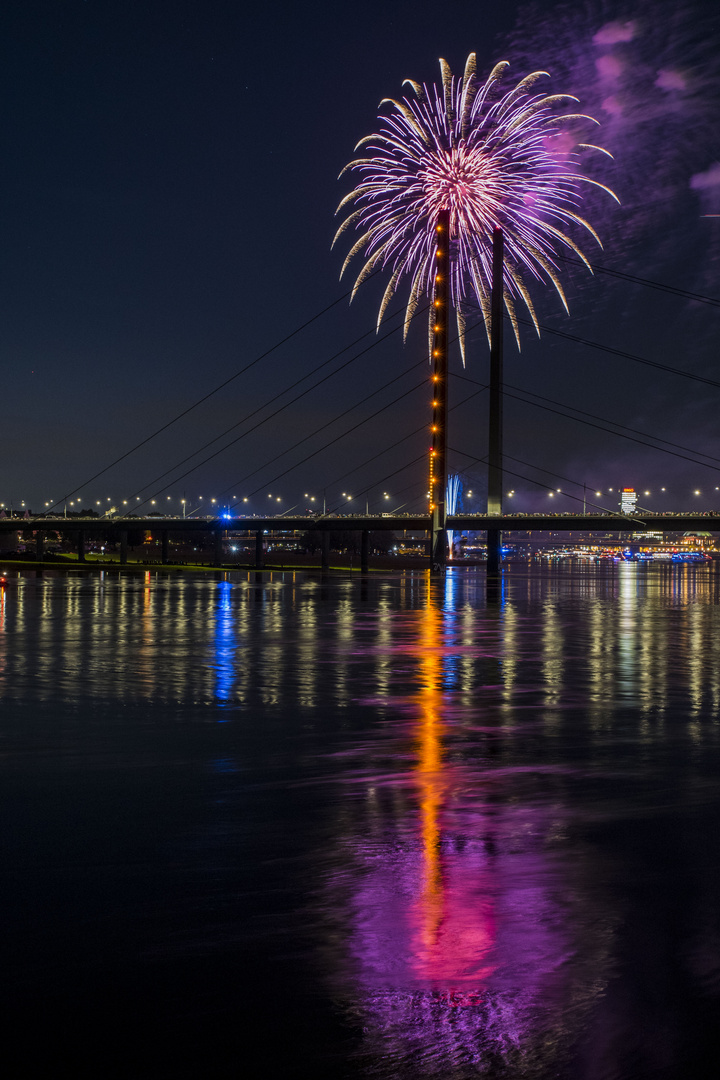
x,y
224,644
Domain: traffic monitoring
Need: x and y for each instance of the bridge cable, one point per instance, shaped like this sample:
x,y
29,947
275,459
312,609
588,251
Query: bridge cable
x,y
602,419
519,476
216,390
327,425
616,273
287,404
417,431
589,423
713,301
281,409
407,465
265,405
344,433
608,349
338,437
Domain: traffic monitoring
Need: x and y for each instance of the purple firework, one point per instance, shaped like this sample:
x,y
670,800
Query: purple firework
x,y
491,159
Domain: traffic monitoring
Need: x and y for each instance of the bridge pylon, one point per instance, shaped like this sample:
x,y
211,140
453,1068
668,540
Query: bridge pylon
x,y
438,430
495,425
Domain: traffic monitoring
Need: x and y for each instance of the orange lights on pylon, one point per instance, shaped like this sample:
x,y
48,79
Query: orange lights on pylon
x,y
438,353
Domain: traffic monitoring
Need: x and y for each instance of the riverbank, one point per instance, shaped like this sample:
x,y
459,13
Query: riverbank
x,y
92,563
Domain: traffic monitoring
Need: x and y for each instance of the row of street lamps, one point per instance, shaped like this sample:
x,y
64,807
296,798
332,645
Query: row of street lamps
x,y
611,491
311,503
189,507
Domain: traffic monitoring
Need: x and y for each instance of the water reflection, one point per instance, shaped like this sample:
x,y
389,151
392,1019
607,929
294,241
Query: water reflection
x,y
224,644
467,943
504,785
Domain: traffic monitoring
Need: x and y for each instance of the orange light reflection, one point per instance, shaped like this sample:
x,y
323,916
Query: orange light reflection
x,y
453,933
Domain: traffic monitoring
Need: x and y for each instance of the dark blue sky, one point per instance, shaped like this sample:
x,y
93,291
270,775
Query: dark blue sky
x,y
168,186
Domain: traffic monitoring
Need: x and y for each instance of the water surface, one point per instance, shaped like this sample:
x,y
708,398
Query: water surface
x,y
279,825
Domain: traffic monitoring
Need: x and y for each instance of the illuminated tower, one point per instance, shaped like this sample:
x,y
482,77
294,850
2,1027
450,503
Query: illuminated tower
x,y
438,431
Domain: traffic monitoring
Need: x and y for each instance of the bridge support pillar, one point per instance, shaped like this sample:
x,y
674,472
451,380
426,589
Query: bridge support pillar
x,y
39,544
494,552
123,547
365,551
325,550
164,547
218,554
81,545
259,552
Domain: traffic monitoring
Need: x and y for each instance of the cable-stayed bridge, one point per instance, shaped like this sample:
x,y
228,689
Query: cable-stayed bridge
x,y
118,529
502,467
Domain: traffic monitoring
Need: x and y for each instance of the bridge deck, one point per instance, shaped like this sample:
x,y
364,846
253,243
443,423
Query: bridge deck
x,y
508,523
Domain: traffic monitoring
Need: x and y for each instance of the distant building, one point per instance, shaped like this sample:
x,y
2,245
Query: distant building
x,y
628,500
698,541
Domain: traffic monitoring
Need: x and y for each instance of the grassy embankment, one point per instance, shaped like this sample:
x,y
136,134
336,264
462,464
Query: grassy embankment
x,y
287,562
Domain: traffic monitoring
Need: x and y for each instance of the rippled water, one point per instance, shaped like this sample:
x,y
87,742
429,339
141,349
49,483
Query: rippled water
x,y
282,826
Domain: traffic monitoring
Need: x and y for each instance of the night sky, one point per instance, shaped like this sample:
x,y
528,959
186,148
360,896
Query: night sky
x,y
168,187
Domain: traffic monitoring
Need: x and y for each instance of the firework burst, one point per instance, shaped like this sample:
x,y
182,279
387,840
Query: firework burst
x,y
490,159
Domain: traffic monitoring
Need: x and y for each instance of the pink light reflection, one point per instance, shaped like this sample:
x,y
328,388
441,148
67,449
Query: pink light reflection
x,y
462,928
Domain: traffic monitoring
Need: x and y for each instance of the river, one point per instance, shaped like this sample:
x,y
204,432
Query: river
x,y
279,825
